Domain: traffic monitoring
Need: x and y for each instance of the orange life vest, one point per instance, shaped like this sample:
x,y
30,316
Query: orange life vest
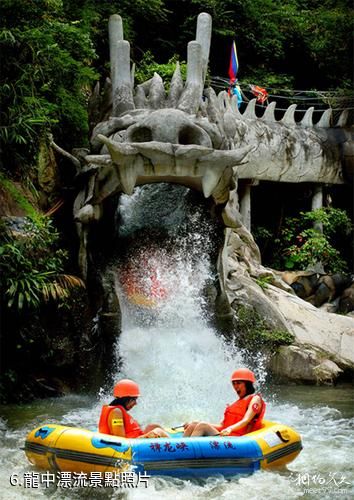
x,y
131,426
236,411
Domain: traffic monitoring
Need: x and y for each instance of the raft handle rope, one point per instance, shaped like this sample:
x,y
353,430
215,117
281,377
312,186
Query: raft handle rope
x,y
106,441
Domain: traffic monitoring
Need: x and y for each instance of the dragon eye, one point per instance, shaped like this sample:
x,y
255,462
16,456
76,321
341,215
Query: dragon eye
x,y
193,135
141,134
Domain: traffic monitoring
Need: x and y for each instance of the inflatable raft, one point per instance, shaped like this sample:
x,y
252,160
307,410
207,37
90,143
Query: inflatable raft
x,y
58,448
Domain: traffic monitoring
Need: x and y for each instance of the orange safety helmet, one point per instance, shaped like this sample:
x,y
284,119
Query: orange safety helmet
x,y
243,374
126,388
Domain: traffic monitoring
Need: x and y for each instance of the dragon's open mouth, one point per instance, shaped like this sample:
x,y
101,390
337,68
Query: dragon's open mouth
x,y
199,166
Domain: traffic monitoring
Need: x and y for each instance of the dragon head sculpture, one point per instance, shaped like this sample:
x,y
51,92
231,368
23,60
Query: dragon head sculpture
x,y
191,136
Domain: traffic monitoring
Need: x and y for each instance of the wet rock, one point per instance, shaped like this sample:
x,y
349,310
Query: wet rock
x,y
346,301
329,287
17,226
333,334
304,365
327,372
304,286
295,363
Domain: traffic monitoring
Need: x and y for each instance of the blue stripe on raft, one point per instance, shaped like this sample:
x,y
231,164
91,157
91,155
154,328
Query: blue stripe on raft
x,y
197,456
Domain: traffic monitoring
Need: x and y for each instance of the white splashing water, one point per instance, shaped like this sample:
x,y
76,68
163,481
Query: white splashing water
x,y
177,358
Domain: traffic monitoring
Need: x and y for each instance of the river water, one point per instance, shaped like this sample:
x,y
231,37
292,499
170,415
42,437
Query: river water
x,y
183,368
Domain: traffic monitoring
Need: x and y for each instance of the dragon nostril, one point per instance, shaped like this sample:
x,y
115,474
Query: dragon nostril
x,y
141,134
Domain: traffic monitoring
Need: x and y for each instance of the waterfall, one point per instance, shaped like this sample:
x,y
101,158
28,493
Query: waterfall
x,y
169,347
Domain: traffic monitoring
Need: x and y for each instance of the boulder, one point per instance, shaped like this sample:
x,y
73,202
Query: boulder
x,y
304,365
319,335
315,329
346,300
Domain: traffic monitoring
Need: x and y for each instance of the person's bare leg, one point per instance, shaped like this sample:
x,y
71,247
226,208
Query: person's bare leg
x,y
150,427
204,429
190,428
154,432
159,432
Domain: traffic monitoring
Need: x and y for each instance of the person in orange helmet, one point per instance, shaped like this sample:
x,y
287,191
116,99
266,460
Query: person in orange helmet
x,y
115,419
241,417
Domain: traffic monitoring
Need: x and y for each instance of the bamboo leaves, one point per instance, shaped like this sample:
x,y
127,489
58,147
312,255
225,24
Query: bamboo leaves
x,y
32,265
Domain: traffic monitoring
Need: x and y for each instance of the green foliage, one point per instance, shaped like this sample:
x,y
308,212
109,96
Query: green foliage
x,y
262,234
313,247
282,37
307,246
315,24
264,281
300,245
256,334
276,81
31,262
334,220
44,80
18,197
148,66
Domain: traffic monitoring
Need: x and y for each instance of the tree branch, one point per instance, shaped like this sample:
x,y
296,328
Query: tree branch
x,y
62,151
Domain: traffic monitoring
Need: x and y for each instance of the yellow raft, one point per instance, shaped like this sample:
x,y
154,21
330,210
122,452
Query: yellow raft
x,y
59,448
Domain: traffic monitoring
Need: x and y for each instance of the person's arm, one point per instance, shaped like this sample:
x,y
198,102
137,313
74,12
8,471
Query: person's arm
x,y
253,409
116,423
